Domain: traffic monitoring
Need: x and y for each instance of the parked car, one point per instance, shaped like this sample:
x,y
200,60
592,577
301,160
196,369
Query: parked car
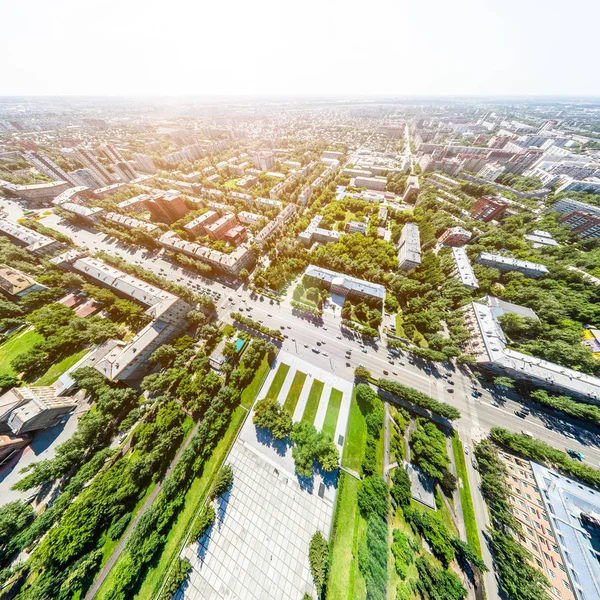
x,y
575,454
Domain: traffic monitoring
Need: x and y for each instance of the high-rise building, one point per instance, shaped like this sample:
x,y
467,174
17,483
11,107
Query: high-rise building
x,y
48,167
168,208
112,153
125,172
86,178
264,160
144,163
90,162
488,208
455,236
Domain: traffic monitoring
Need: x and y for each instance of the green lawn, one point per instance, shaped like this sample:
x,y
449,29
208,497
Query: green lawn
x,y
249,393
294,393
465,494
312,404
355,436
193,501
229,330
278,380
343,565
231,184
399,325
333,411
17,344
57,369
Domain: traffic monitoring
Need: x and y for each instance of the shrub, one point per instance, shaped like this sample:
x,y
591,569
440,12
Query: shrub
x,y
373,497
117,529
223,482
176,577
202,523
318,553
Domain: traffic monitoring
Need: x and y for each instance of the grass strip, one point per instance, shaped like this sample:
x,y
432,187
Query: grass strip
x,y
345,526
312,403
250,392
16,345
333,411
294,394
57,369
278,380
355,435
465,495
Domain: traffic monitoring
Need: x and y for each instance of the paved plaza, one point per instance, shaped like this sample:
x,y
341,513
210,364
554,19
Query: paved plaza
x,y
258,547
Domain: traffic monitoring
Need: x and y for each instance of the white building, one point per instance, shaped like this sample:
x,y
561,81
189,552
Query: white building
x,y
508,263
409,247
464,270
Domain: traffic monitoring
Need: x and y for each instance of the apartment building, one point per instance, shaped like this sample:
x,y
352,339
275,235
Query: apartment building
x,y
371,183
305,195
112,153
248,218
85,177
455,236
585,224
488,208
33,241
558,518
168,207
464,270
241,258
90,162
37,193
540,238
411,192
130,222
47,166
330,154
137,204
144,163
197,227
130,360
488,346
264,160
268,203
342,284
216,230
409,247
508,263
590,186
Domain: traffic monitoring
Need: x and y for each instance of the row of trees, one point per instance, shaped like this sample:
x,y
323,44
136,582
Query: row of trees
x,y
243,320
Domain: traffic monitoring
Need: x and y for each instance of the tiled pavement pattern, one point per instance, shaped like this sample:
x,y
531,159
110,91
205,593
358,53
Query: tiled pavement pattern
x,y
258,546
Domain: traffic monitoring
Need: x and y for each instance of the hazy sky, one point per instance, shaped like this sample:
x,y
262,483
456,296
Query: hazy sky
x,y
172,47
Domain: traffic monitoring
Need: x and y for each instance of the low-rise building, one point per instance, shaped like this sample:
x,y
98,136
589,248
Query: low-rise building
x,y
488,208
488,346
33,241
216,230
197,226
356,227
241,258
248,218
541,238
333,155
107,190
508,263
305,195
236,235
455,236
17,284
382,216
371,183
409,247
130,222
137,204
247,182
345,285
167,311
87,213
27,409
464,270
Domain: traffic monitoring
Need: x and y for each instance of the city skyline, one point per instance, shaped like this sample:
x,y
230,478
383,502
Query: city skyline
x,y
465,49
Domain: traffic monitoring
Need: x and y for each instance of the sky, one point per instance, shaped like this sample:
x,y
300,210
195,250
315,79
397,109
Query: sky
x,y
304,48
